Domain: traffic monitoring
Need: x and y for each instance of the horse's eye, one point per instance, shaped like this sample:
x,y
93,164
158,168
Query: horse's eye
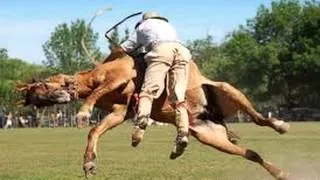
x,y
65,85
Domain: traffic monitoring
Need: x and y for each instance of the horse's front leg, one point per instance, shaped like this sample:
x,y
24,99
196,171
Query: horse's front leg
x,y
86,109
110,121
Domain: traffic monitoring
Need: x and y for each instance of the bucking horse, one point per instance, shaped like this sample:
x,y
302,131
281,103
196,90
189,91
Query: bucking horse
x,y
111,86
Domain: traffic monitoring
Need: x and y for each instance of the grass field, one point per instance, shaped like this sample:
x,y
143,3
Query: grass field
x,y
36,154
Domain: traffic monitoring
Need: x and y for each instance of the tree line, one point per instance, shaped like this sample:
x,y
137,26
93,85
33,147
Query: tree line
x,y
274,57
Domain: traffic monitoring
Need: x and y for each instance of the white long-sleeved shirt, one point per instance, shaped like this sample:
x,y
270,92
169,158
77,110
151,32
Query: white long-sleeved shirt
x,y
149,33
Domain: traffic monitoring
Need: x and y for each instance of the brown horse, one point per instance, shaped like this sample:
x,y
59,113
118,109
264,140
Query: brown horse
x,y
111,86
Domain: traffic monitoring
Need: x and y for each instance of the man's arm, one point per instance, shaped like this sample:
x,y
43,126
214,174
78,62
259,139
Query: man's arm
x,y
131,44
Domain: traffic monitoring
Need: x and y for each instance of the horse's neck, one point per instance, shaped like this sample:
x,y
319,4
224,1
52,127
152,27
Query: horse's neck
x,y
85,80
83,83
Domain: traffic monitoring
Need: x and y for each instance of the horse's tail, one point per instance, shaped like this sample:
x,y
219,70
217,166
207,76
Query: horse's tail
x,y
221,108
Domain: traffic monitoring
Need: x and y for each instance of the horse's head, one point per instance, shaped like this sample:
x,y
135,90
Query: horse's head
x,y
58,89
53,90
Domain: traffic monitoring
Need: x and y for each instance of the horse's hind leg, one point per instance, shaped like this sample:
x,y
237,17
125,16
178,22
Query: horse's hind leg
x,y
215,136
231,100
110,121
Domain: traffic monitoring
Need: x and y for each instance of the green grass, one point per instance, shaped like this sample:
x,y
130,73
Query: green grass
x,y
41,154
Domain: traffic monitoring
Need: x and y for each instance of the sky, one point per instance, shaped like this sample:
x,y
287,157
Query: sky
x,y
25,25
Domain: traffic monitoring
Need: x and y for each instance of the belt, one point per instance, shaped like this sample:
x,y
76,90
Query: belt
x,y
151,45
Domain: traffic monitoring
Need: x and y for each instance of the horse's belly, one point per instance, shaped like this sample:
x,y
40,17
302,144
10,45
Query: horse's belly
x,y
162,110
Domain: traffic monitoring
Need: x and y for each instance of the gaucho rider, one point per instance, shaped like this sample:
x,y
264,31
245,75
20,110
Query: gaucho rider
x,y
165,56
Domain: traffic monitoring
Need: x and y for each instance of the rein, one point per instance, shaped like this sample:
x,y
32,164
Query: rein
x,y
72,87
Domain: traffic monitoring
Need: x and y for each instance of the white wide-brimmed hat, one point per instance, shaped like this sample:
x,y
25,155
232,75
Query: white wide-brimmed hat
x,y
152,15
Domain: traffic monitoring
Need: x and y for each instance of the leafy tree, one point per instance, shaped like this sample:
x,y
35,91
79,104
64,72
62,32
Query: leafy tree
x,y
278,53
117,38
12,71
208,56
64,51
3,53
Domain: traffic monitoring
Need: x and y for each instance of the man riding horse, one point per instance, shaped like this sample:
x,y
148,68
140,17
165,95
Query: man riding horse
x,y
111,85
165,55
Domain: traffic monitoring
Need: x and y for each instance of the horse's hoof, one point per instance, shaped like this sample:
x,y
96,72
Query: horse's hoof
x,y
136,136
283,127
89,169
283,176
82,119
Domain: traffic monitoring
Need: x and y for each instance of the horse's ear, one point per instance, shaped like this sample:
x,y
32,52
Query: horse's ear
x,y
20,103
21,87
34,80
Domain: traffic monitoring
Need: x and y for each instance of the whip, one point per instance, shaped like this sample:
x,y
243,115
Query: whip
x,y
116,25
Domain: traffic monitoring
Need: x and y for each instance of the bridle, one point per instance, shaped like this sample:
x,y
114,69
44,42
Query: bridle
x,y
72,87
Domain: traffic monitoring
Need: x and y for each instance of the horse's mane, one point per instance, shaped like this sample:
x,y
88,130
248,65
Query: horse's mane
x,y
116,52
84,72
